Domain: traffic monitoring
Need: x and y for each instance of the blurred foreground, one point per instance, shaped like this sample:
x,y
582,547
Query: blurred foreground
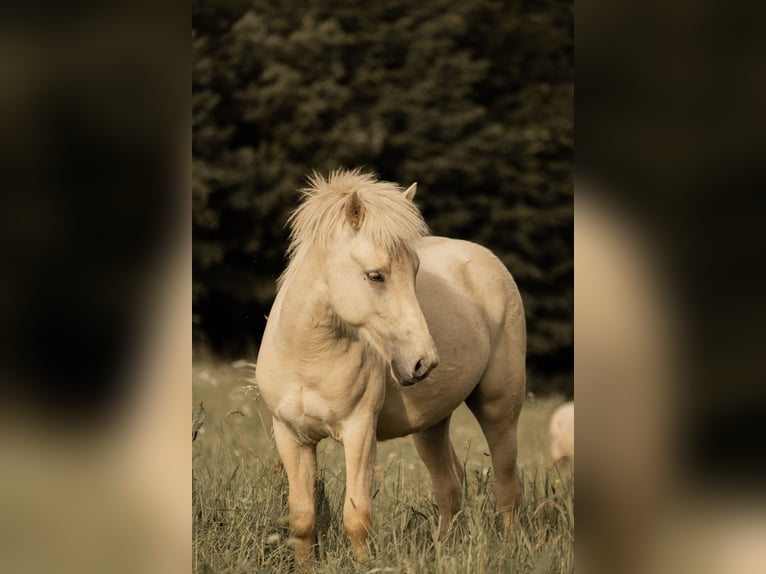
x,y
669,285
111,497
647,504
95,295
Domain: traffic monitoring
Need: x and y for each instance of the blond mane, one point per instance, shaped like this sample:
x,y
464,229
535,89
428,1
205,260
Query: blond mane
x,y
391,220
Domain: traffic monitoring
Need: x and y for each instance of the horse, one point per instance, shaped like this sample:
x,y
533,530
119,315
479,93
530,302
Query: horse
x,y
561,433
379,330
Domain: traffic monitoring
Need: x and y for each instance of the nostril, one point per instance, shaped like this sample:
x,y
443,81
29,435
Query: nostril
x,y
419,367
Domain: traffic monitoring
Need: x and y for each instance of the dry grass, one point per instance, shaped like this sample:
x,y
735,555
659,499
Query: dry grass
x,y
239,500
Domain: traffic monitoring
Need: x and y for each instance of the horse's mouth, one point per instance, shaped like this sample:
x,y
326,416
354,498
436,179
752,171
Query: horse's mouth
x,y
403,381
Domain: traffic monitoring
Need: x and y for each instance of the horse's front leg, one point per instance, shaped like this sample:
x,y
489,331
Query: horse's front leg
x,y
360,446
300,462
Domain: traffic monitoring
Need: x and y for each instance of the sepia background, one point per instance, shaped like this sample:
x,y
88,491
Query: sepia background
x,y
95,293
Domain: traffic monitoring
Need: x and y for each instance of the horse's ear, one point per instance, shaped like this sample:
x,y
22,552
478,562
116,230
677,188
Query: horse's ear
x,y
355,211
409,193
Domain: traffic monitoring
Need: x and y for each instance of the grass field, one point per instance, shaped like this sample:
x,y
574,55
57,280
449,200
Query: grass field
x,y
239,497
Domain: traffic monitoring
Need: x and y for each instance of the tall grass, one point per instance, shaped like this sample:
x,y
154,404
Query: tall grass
x,y
239,498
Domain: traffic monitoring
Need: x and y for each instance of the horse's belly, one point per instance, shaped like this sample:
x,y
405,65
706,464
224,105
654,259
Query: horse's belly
x,y
407,410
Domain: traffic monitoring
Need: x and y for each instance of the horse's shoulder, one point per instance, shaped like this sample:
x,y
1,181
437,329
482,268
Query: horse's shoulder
x,y
454,247
455,251
474,270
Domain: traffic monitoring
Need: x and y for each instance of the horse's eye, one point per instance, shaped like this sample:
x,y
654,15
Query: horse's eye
x,y
375,276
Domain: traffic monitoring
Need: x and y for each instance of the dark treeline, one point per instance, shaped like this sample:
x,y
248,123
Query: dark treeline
x,y
473,100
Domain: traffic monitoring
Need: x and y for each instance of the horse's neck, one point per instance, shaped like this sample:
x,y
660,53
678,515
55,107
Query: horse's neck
x,y
307,324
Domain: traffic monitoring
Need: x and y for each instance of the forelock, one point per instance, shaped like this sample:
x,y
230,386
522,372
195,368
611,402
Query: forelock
x,y
391,221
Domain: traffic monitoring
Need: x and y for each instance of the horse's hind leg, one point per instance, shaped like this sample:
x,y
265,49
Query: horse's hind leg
x,y
496,404
435,448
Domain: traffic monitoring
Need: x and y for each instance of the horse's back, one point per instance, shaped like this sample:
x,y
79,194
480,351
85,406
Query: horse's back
x,y
470,301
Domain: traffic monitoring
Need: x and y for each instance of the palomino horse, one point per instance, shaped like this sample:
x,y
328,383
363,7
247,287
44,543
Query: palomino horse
x,y
354,350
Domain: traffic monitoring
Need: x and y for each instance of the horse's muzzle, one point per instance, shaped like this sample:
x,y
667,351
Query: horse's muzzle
x,y
423,369
420,371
